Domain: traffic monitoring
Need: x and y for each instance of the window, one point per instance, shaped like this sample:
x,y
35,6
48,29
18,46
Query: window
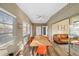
x,y
31,30
24,29
28,29
6,27
26,32
74,26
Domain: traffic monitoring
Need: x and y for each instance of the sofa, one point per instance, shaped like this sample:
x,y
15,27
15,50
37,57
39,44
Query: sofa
x,y
60,38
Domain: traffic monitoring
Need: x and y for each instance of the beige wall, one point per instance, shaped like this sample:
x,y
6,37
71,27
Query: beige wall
x,y
61,27
66,12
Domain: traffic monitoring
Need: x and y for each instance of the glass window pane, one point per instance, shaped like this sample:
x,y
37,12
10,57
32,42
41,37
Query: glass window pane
x,y
24,31
5,18
4,38
1,16
1,28
6,27
24,28
8,19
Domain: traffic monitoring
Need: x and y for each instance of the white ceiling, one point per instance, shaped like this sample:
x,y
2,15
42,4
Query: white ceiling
x,y
45,10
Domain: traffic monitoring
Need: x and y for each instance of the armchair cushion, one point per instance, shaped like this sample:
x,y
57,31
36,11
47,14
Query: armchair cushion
x,y
61,38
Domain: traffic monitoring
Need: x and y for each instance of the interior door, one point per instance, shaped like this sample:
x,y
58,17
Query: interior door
x,y
44,30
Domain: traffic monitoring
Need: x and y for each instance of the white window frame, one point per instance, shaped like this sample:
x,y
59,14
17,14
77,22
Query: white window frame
x,y
1,9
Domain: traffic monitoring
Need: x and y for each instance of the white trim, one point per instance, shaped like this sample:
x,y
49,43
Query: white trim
x,y
7,12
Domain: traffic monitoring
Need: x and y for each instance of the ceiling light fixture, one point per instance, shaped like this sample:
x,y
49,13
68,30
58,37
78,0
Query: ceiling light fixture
x,y
40,18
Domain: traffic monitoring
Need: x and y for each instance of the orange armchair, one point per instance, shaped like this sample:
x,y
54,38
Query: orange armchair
x,y
41,50
31,39
60,38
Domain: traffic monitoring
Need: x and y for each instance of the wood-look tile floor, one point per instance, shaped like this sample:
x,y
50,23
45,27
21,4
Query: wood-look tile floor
x,y
54,50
